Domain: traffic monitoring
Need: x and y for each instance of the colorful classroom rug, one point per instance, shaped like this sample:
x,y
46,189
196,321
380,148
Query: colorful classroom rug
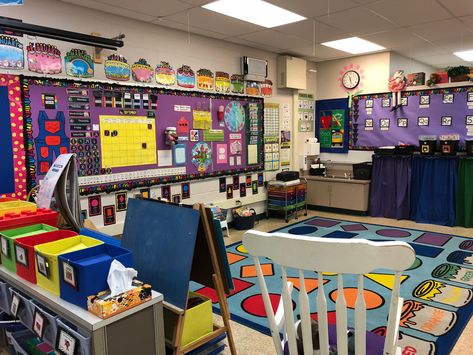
x,y
437,289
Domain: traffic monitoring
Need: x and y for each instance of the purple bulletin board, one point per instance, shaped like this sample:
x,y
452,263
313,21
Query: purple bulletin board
x,y
118,133
374,123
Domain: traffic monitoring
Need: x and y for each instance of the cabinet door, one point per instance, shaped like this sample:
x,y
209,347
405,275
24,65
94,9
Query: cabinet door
x,y
318,193
349,196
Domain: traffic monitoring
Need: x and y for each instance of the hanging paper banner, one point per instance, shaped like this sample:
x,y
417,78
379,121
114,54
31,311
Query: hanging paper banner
x,y
11,53
185,77
117,68
222,82
266,88
202,156
252,88
237,84
79,64
165,74
141,71
43,58
205,79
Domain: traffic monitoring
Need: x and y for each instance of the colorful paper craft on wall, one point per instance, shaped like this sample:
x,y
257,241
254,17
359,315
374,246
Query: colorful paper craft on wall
x,y
185,190
252,88
12,152
182,126
205,79
121,201
234,116
11,53
185,77
237,84
202,156
44,58
222,154
266,88
165,74
141,71
117,68
222,82
214,135
79,64
202,117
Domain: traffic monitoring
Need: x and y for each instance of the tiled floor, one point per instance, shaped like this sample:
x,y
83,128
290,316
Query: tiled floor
x,y
249,342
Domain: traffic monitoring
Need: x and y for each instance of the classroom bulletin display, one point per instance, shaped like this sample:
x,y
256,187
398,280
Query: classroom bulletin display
x,y
128,137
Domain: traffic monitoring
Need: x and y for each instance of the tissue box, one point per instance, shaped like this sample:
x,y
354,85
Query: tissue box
x,y
198,320
104,306
90,268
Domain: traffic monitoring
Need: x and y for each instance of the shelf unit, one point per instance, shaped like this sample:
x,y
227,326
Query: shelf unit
x,y
287,199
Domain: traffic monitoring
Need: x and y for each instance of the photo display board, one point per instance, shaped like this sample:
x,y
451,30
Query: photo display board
x,y
128,136
374,122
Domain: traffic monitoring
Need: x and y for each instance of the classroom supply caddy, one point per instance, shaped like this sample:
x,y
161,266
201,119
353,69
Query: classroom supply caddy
x,y
84,273
47,271
27,269
7,238
287,198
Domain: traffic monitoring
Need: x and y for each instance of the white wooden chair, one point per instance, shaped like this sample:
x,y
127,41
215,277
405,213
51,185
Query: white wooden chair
x,y
350,256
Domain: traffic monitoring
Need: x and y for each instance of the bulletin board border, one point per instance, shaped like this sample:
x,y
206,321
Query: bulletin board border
x,y
26,81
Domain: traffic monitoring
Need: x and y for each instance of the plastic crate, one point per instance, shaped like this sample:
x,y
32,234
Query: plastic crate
x,y
48,277
28,270
101,236
7,238
84,343
91,267
27,218
17,206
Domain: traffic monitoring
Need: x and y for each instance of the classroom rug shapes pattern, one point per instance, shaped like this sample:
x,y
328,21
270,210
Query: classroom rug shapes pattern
x,y
437,289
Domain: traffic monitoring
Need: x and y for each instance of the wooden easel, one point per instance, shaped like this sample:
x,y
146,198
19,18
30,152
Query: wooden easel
x,y
174,317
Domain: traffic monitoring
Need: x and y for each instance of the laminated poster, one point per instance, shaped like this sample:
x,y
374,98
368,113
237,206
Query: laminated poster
x,y
117,68
142,72
205,79
43,58
165,74
202,156
185,77
237,83
79,64
222,82
11,53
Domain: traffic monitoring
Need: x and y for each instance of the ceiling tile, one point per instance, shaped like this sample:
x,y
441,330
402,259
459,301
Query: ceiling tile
x,y
248,43
276,39
441,30
305,29
198,2
112,10
410,12
457,45
423,50
194,30
468,21
458,7
212,21
154,8
443,61
357,22
399,38
311,8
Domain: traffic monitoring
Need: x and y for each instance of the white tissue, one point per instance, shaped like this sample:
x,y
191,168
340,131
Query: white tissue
x,y
120,278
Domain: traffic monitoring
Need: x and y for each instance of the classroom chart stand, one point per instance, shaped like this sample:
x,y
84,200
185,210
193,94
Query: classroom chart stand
x,y
139,329
181,252
287,200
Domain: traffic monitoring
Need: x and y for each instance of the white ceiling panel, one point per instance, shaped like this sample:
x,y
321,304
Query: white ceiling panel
x,y
443,61
398,38
193,30
458,45
305,29
215,22
468,22
314,8
276,39
357,21
418,11
441,30
458,7
248,43
154,8
112,10
197,2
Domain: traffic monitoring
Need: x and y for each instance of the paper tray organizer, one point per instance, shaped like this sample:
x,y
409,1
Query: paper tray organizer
x,y
46,255
7,238
27,270
88,270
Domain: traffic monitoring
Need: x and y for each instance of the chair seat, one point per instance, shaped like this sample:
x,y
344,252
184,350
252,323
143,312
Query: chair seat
x,y
374,342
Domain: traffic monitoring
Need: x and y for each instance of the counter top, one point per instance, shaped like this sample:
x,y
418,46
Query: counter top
x,y
69,311
336,179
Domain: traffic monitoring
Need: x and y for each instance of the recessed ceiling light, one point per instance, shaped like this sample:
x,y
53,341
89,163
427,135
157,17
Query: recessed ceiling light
x,y
354,45
465,55
255,11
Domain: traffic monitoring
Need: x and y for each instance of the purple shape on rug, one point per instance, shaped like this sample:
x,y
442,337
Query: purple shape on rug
x,y
354,227
393,233
322,223
433,239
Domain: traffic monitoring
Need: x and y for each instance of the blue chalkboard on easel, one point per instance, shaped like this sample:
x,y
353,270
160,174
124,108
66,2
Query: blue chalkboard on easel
x,y
162,238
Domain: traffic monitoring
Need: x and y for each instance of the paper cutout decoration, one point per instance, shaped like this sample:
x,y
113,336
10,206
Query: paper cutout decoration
x,y
229,192
214,135
205,79
185,77
242,189
182,126
238,84
235,146
109,216
43,58
202,119
222,154
141,71
117,68
202,156
79,64
185,190
266,88
11,53
166,192
194,135
234,116
121,201
252,88
95,205
165,74
222,184
222,82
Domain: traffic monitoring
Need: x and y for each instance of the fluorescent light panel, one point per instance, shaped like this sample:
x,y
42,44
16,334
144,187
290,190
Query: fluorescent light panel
x,y
255,11
465,55
354,45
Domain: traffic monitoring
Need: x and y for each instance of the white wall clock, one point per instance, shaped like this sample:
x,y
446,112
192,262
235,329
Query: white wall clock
x,y
351,77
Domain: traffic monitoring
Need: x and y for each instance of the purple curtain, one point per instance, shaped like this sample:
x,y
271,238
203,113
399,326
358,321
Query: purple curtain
x,y
390,186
